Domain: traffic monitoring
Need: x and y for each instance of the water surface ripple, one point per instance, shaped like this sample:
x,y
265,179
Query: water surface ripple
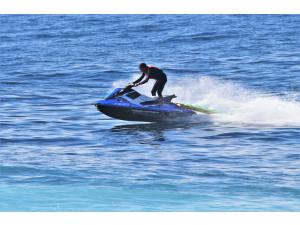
x,y
57,153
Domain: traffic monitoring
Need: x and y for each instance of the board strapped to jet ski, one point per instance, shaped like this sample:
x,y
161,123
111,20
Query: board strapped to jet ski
x,y
128,104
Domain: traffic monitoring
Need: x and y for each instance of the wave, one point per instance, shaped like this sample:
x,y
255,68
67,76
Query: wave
x,y
201,37
233,102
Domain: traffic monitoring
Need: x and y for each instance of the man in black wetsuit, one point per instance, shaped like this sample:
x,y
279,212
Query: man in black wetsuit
x,y
151,72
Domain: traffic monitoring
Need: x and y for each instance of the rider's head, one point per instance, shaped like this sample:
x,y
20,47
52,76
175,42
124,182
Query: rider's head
x,y
143,67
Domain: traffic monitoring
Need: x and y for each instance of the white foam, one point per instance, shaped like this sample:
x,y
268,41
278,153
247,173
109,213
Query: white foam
x,y
233,102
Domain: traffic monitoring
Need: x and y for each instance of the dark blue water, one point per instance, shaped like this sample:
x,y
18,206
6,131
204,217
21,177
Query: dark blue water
x,y
57,153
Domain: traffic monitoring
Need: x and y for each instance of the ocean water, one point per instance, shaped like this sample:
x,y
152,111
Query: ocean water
x,y
58,153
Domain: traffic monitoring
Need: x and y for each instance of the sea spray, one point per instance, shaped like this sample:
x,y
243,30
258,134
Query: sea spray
x,y
233,102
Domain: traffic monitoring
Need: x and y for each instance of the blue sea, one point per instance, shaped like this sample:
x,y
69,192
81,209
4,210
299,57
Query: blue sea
x,y
58,153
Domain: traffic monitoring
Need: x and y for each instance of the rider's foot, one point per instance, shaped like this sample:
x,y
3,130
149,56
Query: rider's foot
x,y
160,100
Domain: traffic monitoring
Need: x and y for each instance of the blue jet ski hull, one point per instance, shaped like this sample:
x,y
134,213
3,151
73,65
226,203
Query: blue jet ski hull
x,y
133,106
145,114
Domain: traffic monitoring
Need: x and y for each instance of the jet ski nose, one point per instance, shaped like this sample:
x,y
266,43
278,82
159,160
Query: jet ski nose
x,y
104,105
100,104
101,107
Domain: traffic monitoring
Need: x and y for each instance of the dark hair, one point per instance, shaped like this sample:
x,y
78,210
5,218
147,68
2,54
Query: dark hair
x,y
143,65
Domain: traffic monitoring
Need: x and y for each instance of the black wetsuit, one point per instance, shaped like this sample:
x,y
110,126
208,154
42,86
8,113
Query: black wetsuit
x,y
159,76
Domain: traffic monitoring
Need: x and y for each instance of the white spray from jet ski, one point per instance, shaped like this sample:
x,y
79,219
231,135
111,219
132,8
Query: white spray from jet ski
x,y
232,102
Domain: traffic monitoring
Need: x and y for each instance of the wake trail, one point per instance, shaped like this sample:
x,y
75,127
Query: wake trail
x,y
232,102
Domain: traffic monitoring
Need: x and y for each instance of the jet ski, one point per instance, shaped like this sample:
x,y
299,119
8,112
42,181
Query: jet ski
x,y
128,104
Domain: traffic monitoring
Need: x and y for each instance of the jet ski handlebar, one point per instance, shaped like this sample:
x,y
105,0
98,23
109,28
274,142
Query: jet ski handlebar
x,y
124,90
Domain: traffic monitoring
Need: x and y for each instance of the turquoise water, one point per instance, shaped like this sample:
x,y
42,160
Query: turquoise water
x,y
58,153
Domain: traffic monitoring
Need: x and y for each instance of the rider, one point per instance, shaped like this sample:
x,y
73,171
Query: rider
x,y
152,72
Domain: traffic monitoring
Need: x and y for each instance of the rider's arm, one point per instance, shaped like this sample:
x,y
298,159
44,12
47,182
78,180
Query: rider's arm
x,y
140,79
144,81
